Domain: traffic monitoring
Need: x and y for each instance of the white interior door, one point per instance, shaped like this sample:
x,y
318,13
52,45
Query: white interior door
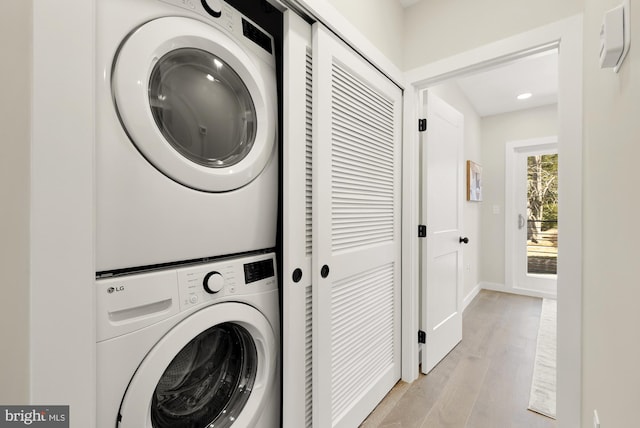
x,y
531,244
356,234
297,205
442,198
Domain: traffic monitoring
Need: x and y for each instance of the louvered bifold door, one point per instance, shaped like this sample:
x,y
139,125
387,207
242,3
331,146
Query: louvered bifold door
x,y
297,204
356,234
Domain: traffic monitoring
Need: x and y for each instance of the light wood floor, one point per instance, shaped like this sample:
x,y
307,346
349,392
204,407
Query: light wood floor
x,y
484,382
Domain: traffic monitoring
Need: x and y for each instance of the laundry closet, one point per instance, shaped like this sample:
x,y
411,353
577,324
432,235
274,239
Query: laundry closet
x,y
341,230
187,307
338,261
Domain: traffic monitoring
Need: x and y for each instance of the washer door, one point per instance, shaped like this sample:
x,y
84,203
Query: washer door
x,y
195,103
214,368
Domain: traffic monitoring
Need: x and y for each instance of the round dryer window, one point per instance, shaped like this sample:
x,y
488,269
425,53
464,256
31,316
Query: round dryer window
x,y
215,368
202,107
197,105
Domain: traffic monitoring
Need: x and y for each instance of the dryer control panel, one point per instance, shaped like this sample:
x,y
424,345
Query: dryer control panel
x,y
229,19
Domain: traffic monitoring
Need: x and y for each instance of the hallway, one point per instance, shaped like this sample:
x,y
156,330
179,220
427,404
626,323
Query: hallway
x,y
484,382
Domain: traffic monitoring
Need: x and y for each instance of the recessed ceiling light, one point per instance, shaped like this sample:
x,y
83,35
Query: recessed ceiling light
x,y
524,96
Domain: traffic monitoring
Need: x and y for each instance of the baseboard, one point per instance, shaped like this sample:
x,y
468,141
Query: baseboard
x,y
469,298
493,286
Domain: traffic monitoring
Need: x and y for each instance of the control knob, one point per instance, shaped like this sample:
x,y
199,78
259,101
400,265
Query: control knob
x,y
212,7
213,282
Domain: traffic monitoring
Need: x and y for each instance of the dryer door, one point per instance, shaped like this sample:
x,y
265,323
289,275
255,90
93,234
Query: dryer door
x,y
214,368
197,105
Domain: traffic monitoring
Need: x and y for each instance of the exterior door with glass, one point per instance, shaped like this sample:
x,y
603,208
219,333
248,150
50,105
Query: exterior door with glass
x,y
532,216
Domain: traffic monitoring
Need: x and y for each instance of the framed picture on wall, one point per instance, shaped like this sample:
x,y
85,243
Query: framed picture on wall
x,y
474,181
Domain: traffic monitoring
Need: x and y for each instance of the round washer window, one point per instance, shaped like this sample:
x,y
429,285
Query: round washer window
x,y
208,382
202,107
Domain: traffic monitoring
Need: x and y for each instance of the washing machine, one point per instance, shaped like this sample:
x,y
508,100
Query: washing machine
x,y
186,143
190,347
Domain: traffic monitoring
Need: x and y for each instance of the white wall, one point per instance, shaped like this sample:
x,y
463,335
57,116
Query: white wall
x,y
610,348
15,105
381,21
435,29
451,93
497,130
62,333
611,317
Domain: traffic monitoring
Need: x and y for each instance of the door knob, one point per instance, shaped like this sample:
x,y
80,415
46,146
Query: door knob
x,y
324,272
297,275
464,240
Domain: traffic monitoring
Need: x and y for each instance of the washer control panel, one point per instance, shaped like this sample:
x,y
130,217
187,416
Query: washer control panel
x,y
225,278
128,303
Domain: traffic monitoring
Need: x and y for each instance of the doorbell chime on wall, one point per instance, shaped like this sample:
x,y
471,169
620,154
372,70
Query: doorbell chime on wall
x,y
615,35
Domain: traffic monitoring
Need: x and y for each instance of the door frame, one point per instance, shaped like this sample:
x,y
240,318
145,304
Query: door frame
x,y
511,272
565,34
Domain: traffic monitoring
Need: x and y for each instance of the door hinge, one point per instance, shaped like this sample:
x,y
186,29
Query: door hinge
x,y
422,231
422,336
422,125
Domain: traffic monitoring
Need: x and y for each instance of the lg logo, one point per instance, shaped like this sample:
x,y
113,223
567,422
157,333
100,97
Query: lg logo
x,y
111,290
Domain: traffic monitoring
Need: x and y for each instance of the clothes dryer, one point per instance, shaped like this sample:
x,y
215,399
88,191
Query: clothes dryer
x,y
194,346
186,153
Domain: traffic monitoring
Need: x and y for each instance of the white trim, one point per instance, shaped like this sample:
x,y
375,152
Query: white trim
x,y
567,34
328,15
410,244
472,295
521,45
297,40
570,155
494,286
62,330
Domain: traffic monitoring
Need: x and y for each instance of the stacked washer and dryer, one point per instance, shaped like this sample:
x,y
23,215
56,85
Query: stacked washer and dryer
x,y
187,199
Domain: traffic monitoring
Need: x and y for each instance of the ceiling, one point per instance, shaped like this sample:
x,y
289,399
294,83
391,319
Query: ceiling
x,y
495,91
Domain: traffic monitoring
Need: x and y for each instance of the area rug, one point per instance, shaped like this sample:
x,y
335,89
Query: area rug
x,y
543,385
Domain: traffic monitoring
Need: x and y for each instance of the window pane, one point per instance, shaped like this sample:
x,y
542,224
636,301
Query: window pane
x,y
542,212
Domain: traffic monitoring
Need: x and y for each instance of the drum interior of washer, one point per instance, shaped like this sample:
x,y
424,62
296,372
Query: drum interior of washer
x,y
208,382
